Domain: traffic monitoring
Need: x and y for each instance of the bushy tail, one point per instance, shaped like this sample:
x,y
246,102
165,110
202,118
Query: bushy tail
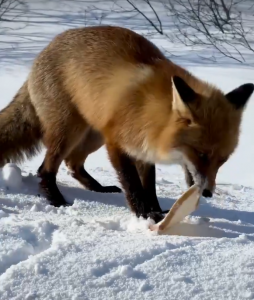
x,y
20,130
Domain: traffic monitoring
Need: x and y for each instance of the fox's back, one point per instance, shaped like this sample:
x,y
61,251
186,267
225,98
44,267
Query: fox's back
x,y
104,44
91,66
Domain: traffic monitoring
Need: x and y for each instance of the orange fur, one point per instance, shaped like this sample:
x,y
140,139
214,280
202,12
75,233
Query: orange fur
x,y
117,84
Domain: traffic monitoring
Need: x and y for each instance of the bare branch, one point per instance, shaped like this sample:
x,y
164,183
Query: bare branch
x,y
218,24
158,29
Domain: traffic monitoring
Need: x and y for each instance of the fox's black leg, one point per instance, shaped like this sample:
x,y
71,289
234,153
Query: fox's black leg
x,y
147,174
79,173
59,138
90,143
47,172
49,187
128,175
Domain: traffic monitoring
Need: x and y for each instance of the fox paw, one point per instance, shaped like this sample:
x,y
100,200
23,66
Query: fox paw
x,y
110,189
52,193
154,215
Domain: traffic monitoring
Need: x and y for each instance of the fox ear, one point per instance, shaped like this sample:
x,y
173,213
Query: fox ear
x,y
183,96
239,96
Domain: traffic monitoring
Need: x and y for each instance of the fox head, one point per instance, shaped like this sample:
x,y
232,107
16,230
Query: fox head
x,y
204,130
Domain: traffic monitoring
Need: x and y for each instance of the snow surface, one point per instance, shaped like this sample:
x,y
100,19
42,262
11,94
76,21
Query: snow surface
x,y
12,177
96,249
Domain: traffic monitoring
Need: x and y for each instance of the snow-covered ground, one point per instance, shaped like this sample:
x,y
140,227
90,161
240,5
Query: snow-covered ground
x,y
95,249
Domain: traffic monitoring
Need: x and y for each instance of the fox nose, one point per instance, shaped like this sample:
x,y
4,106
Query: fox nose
x,y
207,193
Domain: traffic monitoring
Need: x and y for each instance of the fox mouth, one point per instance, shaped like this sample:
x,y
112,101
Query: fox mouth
x,y
196,176
179,156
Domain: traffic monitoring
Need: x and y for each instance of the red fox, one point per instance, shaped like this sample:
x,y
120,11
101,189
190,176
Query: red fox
x,y
109,85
